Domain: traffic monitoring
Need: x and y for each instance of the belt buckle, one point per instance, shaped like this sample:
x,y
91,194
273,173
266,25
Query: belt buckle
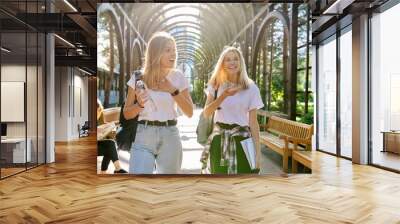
x,y
166,123
145,124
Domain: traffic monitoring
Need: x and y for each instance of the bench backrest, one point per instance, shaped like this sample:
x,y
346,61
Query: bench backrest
x,y
286,127
263,117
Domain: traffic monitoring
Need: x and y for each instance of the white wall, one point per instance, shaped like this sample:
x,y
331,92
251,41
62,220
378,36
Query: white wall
x,y
13,73
34,125
70,83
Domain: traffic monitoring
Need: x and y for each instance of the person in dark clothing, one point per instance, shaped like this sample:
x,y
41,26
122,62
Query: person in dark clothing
x,y
107,147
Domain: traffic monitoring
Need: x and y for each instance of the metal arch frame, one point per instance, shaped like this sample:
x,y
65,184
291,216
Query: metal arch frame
x,y
250,23
193,34
206,65
135,42
200,8
161,12
259,37
203,51
198,40
239,25
187,32
155,10
190,55
201,27
200,48
193,52
169,27
185,59
190,58
183,43
213,7
146,13
136,46
246,15
159,27
230,8
186,42
207,43
126,18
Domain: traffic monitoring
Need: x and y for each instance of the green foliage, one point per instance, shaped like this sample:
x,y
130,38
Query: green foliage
x,y
197,94
275,42
307,118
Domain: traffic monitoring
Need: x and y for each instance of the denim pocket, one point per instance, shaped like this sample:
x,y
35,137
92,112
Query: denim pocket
x,y
141,135
174,131
139,128
146,137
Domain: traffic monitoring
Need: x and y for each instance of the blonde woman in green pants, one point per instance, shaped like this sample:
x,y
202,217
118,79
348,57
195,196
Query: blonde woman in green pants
x,y
235,108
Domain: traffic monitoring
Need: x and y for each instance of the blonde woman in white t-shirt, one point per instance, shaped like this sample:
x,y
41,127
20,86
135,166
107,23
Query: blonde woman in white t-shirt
x,y
235,108
157,147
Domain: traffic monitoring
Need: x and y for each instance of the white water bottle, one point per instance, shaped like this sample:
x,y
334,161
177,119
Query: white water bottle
x,y
149,106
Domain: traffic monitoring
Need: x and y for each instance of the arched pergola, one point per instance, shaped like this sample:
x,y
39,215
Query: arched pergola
x,y
201,31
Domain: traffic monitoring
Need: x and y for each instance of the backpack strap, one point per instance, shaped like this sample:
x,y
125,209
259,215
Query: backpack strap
x,y
138,76
215,97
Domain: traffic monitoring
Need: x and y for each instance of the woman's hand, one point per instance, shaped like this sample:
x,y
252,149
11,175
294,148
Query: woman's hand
x,y
165,86
141,96
231,91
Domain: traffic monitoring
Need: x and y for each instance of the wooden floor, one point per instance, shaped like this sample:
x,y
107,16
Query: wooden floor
x,y
387,159
10,171
70,191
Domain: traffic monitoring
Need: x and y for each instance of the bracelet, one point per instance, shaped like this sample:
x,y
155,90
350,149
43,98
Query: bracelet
x,y
176,92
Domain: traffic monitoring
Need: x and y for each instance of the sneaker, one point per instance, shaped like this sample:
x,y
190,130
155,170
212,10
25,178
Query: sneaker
x,y
120,171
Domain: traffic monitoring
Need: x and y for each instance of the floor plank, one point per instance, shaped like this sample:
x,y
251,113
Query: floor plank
x,y
70,191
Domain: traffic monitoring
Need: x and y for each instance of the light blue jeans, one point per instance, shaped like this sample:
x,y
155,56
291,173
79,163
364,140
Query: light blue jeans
x,y
156,148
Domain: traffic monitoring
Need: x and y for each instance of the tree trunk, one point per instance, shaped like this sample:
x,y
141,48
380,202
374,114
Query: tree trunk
x,y
293,63
271,60
121,81
264,72
109,76
285,69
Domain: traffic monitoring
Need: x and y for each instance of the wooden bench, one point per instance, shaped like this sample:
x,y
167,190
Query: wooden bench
x,y
111,122
111,114
284,136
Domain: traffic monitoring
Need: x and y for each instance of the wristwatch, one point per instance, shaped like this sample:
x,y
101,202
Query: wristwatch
x,y
176,92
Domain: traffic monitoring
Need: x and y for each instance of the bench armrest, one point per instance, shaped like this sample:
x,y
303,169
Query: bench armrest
x,y
299,140
294,140
284,137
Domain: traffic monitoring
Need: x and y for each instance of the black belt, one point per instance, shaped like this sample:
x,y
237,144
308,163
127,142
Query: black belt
x,y
158,123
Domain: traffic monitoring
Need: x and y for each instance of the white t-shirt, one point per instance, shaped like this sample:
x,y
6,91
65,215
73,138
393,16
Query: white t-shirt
x,y
165,105
235,109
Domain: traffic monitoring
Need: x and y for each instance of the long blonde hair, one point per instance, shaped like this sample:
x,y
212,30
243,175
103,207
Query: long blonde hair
x,y
152,63
219,76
